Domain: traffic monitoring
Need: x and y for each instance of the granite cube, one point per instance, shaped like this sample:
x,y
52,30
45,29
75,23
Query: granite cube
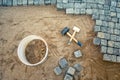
x,y
65,1
110,50
36,2
57,70
111,43
77,5
113,58
113,37
98,22
111,24
25,2
9,2
103,49
114,19
107,36
103,42
69,11
107,57
116,51
104,29
118,15
41,2
110,30
118,38
14,2
96,41
76,11
113,3
63,63
100,35
82,11
19,2
116,31
117,44
47,2
97,28
78,54
113,14
105,23
68,77
30,2
118,58
89,11
95,16
78,67
71,71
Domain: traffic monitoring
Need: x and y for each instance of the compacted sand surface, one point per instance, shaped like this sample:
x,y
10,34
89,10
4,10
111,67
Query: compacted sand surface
x,y
45,21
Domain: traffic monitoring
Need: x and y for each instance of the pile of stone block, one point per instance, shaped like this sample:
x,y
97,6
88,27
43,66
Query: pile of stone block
x,y
70,72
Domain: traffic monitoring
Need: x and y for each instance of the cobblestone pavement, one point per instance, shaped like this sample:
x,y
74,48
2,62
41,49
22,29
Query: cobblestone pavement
x,y
106,13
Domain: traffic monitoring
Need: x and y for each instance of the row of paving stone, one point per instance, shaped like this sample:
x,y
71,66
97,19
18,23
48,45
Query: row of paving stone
x,y
106,13
26,2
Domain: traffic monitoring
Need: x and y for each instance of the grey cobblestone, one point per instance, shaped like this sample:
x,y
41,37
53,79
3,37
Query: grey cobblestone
x,y
113,58
103,49
89,11
63,63
116,51
77,53
57,70
116,31
78,67
96,41
68,77
118,58
69,11
110,50
103,42
97,28
107,57
113,37
71,71
111,43
98,22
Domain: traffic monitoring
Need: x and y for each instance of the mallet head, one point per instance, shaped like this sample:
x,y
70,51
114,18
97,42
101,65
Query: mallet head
x,y
76,29
65,30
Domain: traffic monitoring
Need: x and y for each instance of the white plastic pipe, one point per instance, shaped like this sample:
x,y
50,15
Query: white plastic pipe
x,y
22,47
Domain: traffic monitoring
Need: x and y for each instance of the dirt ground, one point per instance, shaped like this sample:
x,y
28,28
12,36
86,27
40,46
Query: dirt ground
x,y
45,21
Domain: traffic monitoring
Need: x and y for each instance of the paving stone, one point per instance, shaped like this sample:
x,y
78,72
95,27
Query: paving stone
x,y
65,1
101,12
110,50
112,8
118,15
25,2
77,5
114,19
53,1
97,28
98,22
41,2
117,26
106,7
63,63
105,23
107,36
70,5
103,42
82,11
57,70
30,2
68,77
59,6
78,67
110,30
14,2
0,2
118,10
111,24
113,58
95,16
96,41
107,18
107,2
107,57
103,49
69,11
113,37
113,14
71,71
100,35
111,43
76,11
4,3
78,54
113,3
9,2
19,2
47,2
118,58
89,11
82,6
100,6
116,51
116,31
117,44
102,17
118,38
104,29
36,2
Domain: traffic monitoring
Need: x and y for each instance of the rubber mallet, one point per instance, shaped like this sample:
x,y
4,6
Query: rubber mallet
x,y
66,31
75,29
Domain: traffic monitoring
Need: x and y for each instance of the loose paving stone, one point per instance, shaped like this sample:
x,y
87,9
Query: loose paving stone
x,y
103,49
63,63
77,53
71,71
106,57
111,43
110,50
68,77
96,41
118,58
57,70
78,67
103,42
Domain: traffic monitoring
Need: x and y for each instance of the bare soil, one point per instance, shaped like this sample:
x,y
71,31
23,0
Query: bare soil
x,y
35,51
45,21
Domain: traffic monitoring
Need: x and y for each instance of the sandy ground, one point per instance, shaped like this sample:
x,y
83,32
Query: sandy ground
x,y
45,21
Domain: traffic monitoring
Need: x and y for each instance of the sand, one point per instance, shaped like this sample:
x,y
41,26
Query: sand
x,y
45,21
